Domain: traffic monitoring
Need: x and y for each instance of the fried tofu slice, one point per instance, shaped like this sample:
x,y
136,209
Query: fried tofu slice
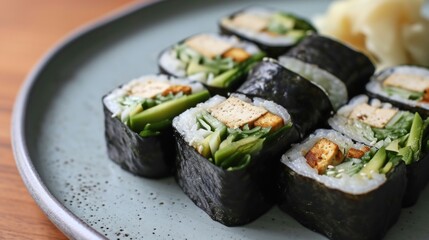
x,y
174,89
323,154
148,89
426,95
237,54
250,22
208,45
355,153
235,113
269,120
409,82
375,117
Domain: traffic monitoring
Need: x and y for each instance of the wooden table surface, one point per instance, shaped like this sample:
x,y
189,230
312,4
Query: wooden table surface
x,y
27,30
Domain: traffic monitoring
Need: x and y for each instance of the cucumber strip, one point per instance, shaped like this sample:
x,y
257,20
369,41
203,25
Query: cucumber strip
x,y
236,161
406,154
149,133
167,110
387,167
158,125
137,109
251,131
375,164
407,94
216,139
204,148
227,78
228,140
393,146
245,146
244,163
212,121
416,135
204,124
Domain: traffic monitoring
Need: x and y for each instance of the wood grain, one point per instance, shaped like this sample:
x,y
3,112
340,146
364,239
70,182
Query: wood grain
x,y
27,30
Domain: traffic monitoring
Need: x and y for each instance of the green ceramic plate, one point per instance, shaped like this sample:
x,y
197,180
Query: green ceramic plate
x,y
58,134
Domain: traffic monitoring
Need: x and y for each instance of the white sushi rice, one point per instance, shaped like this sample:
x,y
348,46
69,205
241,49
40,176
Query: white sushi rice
x,y
112,100
376,84
334,88
169,62
187,125
263,38
355,129
356,184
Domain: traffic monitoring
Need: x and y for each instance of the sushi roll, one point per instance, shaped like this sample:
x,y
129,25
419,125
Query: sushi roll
x,y
272,30
138,117
342,189
379,124
219,62
341,71
406,87
228,152
307,103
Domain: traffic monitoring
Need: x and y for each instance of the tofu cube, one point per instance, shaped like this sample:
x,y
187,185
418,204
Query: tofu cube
x,y
176,89
323,154
269,120
237,54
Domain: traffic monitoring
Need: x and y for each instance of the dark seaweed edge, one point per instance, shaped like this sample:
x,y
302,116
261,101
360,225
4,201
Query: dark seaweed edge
x,y
232,198
254,87
367,216
359,69
150,157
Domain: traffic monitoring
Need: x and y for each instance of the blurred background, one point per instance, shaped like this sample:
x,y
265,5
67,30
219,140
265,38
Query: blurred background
x,y
28,29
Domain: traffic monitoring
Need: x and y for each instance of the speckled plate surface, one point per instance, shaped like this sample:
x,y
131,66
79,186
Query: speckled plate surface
x,y
59,143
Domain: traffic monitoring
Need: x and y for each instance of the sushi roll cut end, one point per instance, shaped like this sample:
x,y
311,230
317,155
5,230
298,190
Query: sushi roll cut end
x,y
138,117
219,62
270,27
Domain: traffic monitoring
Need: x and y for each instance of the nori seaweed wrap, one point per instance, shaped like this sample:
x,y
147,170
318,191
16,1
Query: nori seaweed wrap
x,y
341,189
138,117
307,104
379,124
219,62
273,31
328,63
228,152
406,87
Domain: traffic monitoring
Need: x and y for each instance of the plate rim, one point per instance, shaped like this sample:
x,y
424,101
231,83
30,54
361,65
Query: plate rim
x,y
64,219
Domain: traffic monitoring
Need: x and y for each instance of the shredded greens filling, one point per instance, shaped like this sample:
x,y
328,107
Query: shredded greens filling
x,y
405,134
288,24
149,116
404,93
231,149
217,72
375,160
